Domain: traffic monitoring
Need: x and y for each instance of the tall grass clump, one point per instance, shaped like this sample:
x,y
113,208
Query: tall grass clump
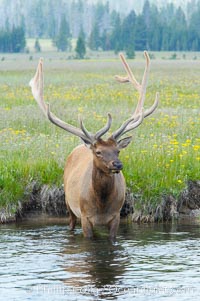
x,y
164,154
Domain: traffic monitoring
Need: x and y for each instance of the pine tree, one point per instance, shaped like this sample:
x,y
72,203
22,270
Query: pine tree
x,y
18,41
130,51
116,33
105,41
154,30
37,46
146,13
62,40
80,47
128,34
94,39
140,34
193,32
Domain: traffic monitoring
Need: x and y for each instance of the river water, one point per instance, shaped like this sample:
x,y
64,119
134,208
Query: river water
x,y
44,261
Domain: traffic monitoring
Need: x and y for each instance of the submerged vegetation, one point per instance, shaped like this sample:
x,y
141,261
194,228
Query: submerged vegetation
x,y
164,154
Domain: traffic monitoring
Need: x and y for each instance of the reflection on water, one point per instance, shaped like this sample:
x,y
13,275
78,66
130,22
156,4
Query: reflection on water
x,y
41,261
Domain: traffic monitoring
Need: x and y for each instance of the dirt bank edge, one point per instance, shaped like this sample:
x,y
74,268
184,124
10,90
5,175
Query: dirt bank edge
x,y
51,202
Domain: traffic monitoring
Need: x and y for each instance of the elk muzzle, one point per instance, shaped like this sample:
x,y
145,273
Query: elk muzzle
x,y
116,166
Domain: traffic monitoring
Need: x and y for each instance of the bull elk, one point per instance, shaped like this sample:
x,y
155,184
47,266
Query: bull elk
x,y
93,181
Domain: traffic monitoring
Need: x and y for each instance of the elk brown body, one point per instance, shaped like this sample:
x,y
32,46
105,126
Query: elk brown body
x,y
98,194
93,180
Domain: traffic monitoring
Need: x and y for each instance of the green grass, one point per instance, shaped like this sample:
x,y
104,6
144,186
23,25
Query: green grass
x,y
165,151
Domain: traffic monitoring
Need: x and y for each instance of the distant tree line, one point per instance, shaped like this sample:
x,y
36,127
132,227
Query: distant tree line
x,y
168,28
12,40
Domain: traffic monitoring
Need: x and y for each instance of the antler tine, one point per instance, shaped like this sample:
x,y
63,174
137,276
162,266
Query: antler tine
x,y
122,128
150,110
37,87
135,124
143,86
105,129
100,133
137,117
128,125
131,78
153,107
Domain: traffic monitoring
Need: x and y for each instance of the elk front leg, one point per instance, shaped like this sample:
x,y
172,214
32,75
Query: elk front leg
x,y
87,227
113,227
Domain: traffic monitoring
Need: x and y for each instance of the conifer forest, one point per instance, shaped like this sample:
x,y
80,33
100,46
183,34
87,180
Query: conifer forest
x,y
101,25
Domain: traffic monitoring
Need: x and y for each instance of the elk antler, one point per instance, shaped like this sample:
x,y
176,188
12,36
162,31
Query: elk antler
x,y
139,114
37,86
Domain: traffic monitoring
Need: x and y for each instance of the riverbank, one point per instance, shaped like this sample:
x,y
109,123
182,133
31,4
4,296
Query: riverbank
x,y
49,202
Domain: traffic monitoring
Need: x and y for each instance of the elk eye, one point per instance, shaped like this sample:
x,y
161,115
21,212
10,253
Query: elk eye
x,y
98,153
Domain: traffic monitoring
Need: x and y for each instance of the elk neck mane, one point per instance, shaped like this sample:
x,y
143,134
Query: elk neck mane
x,y
102,185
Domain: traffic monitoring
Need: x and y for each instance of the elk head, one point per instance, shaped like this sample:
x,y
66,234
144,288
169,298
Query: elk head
x,y
106,154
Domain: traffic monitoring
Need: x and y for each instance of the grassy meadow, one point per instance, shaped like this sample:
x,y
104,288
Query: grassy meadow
x,y
164,154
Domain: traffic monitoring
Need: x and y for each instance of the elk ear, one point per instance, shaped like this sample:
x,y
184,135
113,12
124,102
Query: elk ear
x,y
124,142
